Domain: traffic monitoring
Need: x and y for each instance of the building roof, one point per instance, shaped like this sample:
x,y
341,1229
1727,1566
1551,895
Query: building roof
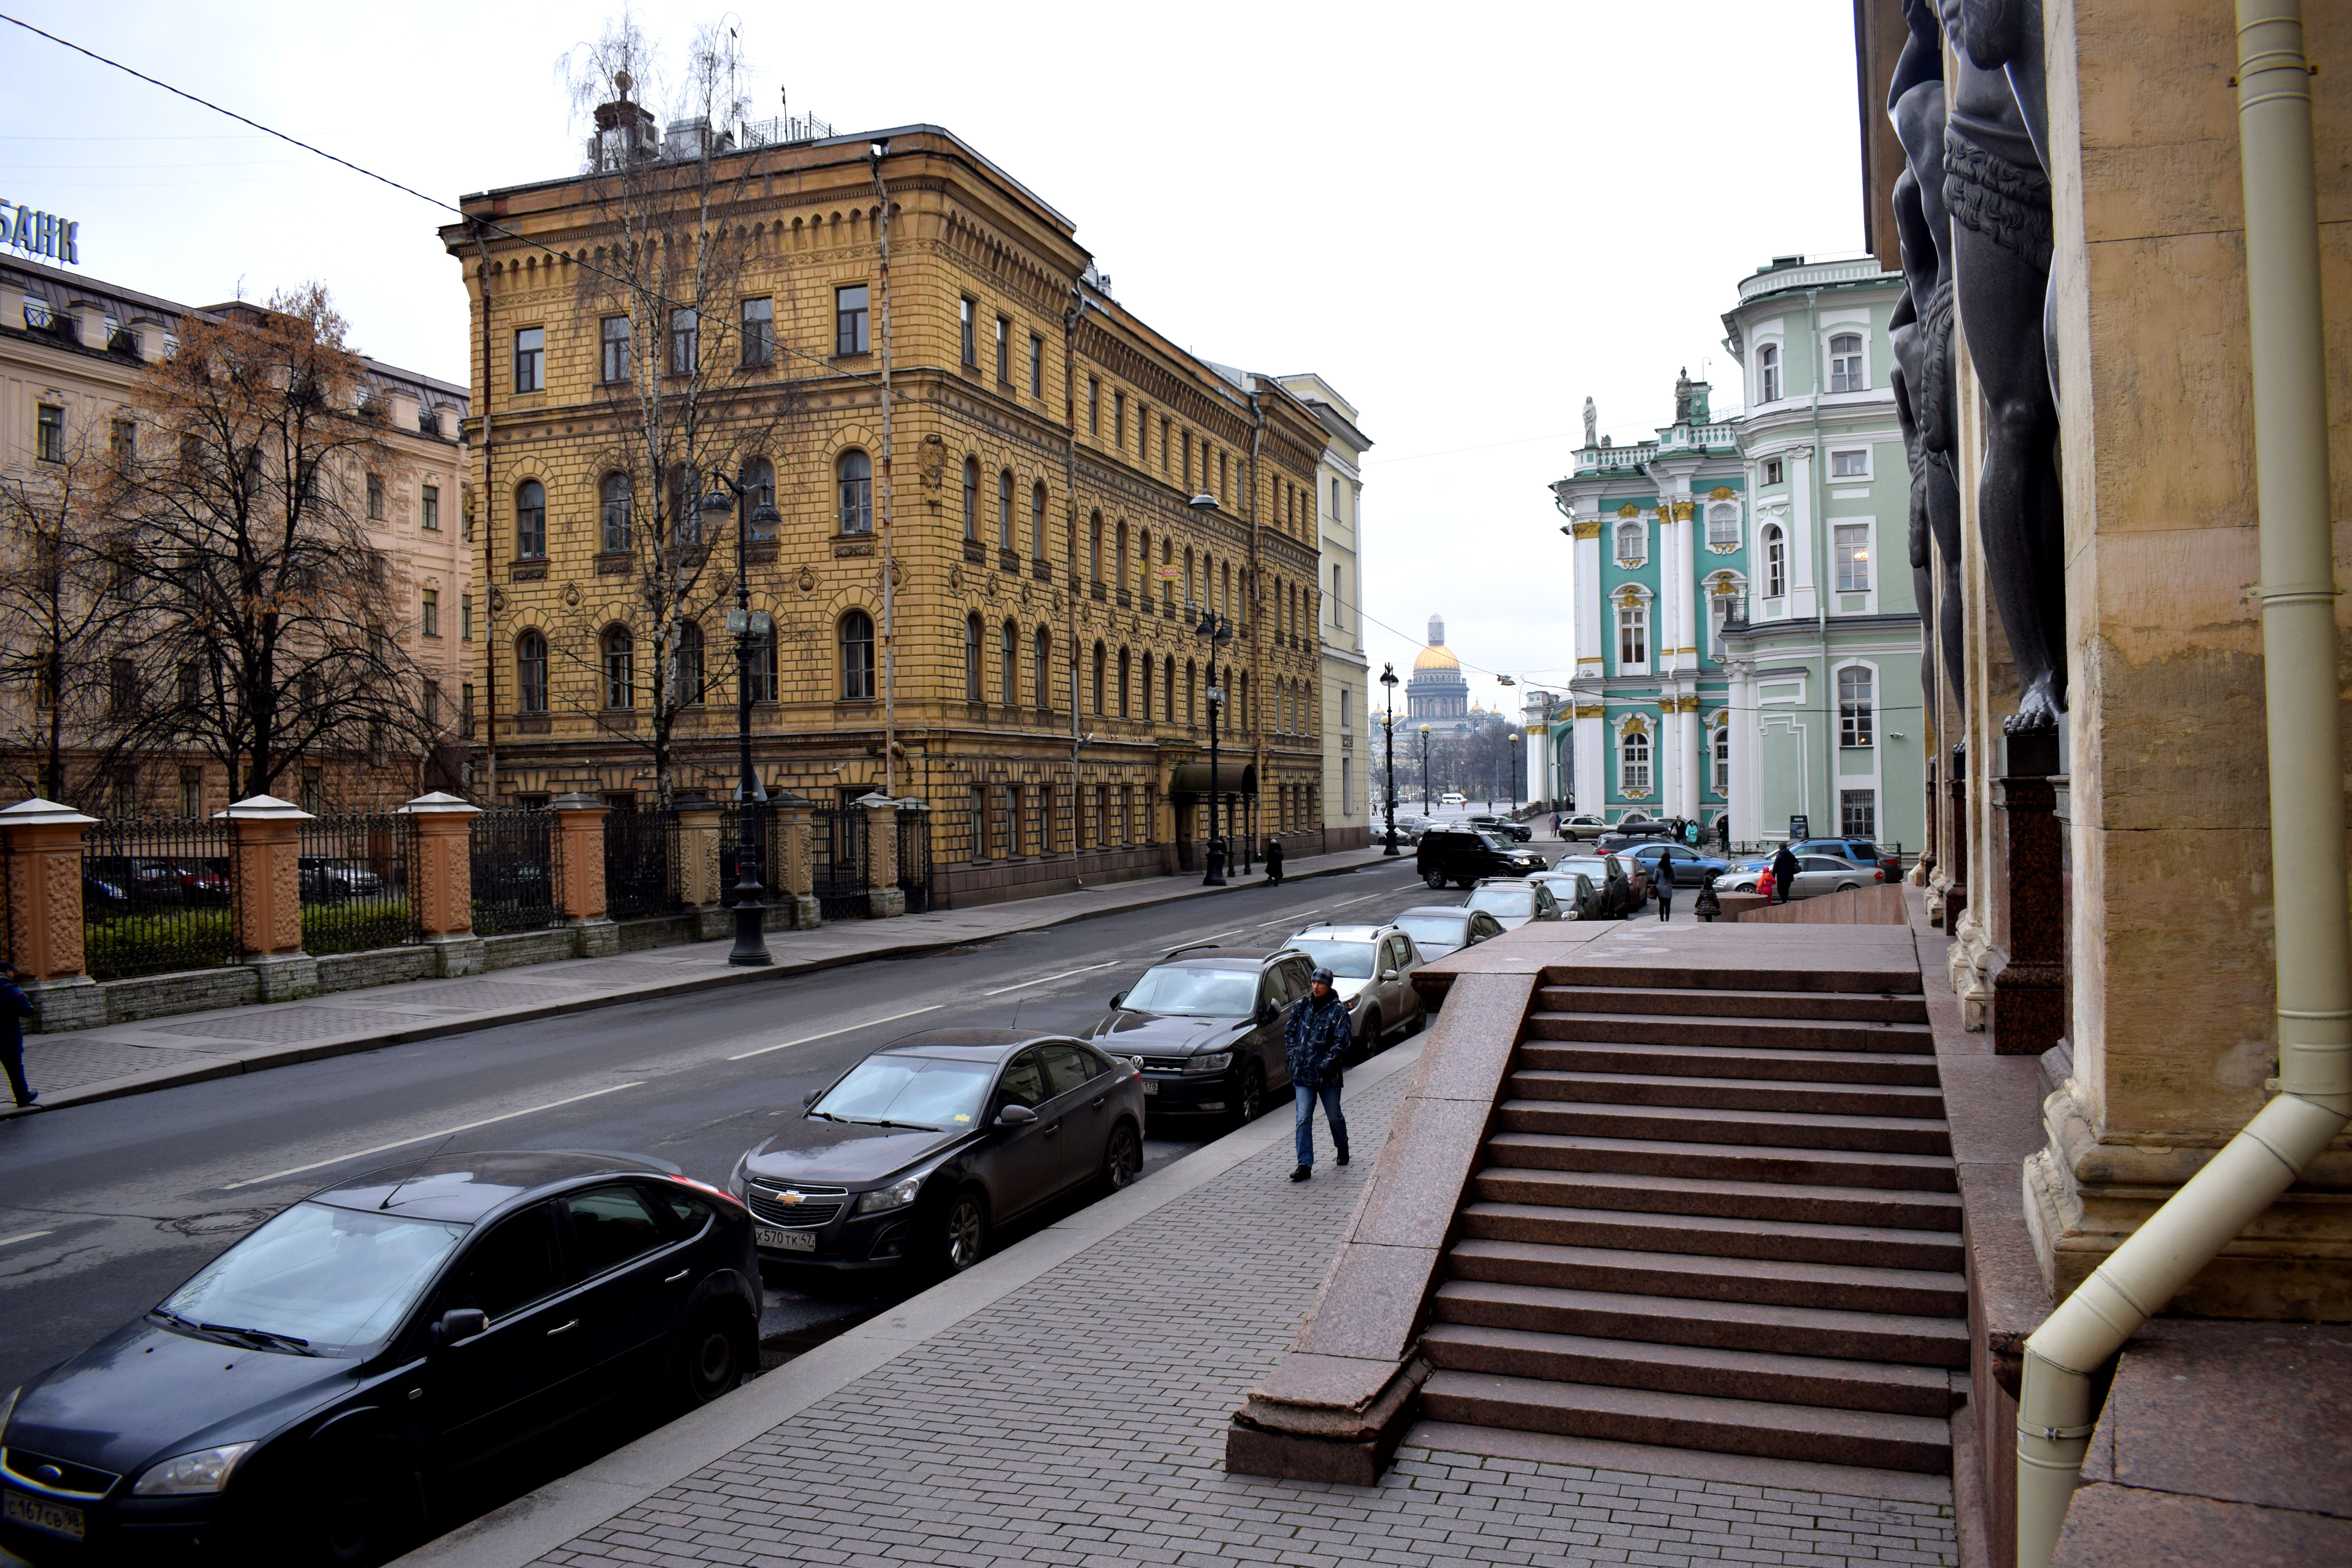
x,y
1437,657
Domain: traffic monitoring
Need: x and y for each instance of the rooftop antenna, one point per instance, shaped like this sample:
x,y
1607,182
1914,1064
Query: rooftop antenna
x,y
412,1170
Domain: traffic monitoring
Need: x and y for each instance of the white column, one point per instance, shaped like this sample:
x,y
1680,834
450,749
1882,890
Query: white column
x,y
1590,627
1804,603
1592,773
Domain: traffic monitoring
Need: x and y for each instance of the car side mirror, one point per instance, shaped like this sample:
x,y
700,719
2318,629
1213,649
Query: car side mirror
x,y
1269,1012
810,1098
1118,997
459,1323
1388,975
1015,1116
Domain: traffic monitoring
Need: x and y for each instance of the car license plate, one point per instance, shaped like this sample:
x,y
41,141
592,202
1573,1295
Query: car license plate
x,y
55,1519
1150,1088
785,1240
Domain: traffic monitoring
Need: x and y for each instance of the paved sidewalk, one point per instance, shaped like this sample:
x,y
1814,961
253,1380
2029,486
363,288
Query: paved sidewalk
x,y
1071,1410
116,1059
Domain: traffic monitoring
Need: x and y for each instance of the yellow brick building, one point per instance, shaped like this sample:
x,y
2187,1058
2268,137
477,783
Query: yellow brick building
x,y
1045,444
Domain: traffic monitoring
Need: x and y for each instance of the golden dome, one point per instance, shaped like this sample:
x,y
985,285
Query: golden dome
x,y
1438,657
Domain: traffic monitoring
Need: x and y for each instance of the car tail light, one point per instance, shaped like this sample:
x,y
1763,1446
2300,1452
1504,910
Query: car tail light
x,y
730,1199
1877,875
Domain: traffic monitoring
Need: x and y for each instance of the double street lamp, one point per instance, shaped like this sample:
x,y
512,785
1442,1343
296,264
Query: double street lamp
x,y
1388,741
751,904
1219,632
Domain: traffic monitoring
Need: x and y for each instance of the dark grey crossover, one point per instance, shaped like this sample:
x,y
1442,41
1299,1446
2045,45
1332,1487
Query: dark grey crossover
x,y
1206,1024
297,1399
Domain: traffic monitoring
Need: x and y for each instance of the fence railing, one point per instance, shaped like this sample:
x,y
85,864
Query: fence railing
x,y
512,855
838,862
730,844
156,898
915,860
354,878
640,863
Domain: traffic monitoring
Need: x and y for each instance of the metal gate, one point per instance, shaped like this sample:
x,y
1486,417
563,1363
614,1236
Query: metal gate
x,y
837,853
915,860
640,863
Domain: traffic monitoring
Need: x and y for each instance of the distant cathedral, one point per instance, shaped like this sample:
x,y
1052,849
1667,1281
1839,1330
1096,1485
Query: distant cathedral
x,y
1437,689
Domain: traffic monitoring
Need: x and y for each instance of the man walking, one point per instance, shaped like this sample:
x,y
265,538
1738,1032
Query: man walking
x,y
1317,1043
14,1010
1784,874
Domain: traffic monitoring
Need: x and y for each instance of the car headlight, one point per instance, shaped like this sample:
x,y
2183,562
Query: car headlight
x,y
735,1178
205,1470
1216,1061
881,1200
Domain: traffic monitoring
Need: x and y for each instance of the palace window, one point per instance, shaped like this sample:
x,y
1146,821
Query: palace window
x,y
972,498
1768,373
1010,685
615,331
1632,633
1044,669
530,520
1775,562
971,687
856,472
685,340
1102,676
688,689
967,331
1773,471
620,668
1093,405
429,613
762,660
1633,761
1853,557
429,505
1118,419
1722,524
1723,758
759,330
530,359
1038,519
615,513
465,617
531,672
1126,673
1853,706
1853,465
1004,350
1094,548
1036,366
1846,364
858,657
1858,813
849,320
1004,510
1633,544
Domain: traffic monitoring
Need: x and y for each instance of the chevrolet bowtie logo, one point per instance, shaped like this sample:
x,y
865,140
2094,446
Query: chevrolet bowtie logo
x,y
788,1196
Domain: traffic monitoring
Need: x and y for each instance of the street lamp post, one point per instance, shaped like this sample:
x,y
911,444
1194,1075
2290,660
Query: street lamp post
x,y
1219,632
751,947
1511,761
1388,741
1425,770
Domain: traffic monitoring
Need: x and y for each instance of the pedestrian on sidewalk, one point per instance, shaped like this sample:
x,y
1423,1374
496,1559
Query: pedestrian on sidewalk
x,y
1317,1042
1273,861
1665,889
14,1010
1784,873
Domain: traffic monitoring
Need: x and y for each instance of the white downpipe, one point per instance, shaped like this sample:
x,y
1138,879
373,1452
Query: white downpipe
x,y
2055,1411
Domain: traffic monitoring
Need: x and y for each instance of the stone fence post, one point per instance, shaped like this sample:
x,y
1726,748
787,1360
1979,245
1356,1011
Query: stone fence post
x,y
884,897
45,914
266,891
792,879
441,880
700,885
580,872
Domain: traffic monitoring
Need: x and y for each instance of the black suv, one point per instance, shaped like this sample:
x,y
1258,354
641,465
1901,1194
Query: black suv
x,y
1205,1024
1465,855
1517,831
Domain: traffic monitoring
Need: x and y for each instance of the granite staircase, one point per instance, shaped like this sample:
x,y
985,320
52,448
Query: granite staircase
x,y
1713,1218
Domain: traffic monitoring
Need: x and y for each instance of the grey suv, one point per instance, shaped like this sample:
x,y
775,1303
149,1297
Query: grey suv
x,y
1205,1024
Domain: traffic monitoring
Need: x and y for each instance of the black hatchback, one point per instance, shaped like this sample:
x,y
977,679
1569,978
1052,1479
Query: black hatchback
x,y
294,1400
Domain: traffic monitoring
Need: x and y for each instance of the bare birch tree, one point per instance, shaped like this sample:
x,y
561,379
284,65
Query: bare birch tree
x,y
55,573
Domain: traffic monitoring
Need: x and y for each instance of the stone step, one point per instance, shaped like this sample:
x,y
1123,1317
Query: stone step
x,y
1699,1125
1900,982
1708,1236
1904,1210
1870,1437
1725,1162
1671,1028
1817,1381
1774,1282
1833,1333
1728,1093
1750,1063
1883,1008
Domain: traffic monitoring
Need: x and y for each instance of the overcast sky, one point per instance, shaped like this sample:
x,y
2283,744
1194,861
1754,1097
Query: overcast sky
x,y
1466,217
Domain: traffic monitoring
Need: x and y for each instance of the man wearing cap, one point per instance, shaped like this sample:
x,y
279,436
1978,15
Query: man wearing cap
x,y
1318,1042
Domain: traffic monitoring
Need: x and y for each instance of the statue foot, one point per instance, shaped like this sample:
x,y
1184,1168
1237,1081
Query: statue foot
x,y
2037,710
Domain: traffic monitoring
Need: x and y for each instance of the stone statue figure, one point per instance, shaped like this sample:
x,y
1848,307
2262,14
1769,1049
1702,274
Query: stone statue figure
x,y
1592,423
1682,397
1999,194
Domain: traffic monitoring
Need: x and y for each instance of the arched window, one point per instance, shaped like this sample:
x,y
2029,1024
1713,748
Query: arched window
x,y
1094,548
1004,510
1723,525
1102,676
1143,703
615,513
1119,559
1723,757
858,657
1189,602
1011,651
1167,690
686,687
972,498
1192,693
760,656
1775,562
531,672
1633,761
530,520
1632,542
855,471
1768,373
1846,373
1044,669
1167,580
620,668
1245,710
1633,633
1854,695
1143,569
972,687
1125,663
1038,519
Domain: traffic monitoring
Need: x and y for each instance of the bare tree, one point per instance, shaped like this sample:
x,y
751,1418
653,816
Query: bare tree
x,y
259,623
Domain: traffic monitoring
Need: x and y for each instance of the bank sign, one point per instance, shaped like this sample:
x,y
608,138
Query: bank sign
x,y
41,233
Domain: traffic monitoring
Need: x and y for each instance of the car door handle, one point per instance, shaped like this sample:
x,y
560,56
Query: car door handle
x,y
1053,1129
1098,1102
678,1276
564,1329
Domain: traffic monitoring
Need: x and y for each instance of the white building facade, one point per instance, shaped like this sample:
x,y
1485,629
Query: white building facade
x,y
1350,727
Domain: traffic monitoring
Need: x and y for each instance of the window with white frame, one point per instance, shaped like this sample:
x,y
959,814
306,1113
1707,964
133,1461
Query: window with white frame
x,y
1854,689
1853,557
1632,542
1853,465
1775,562
1774,472
1723,757
1768,373
1846,362
1723,525
1858,813
1632,633
1722,608
1633,761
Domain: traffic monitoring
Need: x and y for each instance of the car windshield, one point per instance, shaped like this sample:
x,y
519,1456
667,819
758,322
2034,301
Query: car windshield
x,y
1590,868
924,1091
1433,930
1508,902
333,1278
1200,993
1345,960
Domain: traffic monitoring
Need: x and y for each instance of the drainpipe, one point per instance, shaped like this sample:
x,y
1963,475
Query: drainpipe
x,y
490,791
2056,1409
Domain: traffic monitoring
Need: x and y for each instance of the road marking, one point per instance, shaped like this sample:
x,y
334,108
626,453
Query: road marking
x,y
1041,980
25,1236
421,1137
846,1028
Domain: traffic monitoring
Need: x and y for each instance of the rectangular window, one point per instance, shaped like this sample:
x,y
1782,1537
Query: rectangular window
x,y
759,330
685,340
430,617
849,307
465,617
967,322
466,710
615,332
1036,366
50,433
1853,558
1347,707
429,507
1855,702
1633,635
1003,352
1858,813
1188,459
1118,420
530,359
1093,405
375,498
1771,470
1850,465
123,442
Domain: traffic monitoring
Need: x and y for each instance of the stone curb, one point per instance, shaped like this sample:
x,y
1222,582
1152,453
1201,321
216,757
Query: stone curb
x,y
543,1520
288,1056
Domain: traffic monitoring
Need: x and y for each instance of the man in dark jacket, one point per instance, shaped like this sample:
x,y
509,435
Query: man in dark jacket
x,y
1274,861
1317,1043
14,1010
1784,875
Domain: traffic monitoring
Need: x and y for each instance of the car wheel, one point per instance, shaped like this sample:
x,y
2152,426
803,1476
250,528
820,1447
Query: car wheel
x,y
964,1231
359,1508
1847,887
1251,1103
1123,1158
1434,878
711,1354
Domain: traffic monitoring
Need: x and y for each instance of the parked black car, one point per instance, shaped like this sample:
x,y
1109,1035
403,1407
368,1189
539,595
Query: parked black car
x,y
1463,855
1518,832
916,1154
1206,1024
1688,867
294,1400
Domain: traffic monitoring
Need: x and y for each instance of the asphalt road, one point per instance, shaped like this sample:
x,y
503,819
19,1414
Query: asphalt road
x,y
104,1208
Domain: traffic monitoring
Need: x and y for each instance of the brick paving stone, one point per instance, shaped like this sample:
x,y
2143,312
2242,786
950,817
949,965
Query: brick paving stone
x,y
1081,1420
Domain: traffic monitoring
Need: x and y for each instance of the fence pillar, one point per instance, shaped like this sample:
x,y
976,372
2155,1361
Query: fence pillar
x,y
579,873
699,886
884,897
45,914
266,891
792,878
441,882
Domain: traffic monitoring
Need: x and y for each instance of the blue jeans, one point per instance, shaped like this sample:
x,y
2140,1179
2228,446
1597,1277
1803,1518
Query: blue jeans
x,y
1330,1095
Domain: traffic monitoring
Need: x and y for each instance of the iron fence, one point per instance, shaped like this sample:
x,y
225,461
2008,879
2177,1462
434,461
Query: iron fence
x,y
915,860
354,878
512,853
730,844
156,898
640,863
837,856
